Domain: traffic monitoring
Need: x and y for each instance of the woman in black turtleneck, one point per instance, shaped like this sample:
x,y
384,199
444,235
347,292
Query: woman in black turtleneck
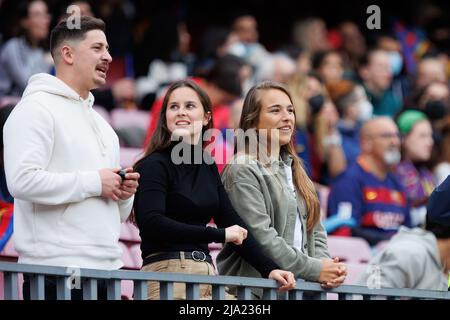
x,y
180,191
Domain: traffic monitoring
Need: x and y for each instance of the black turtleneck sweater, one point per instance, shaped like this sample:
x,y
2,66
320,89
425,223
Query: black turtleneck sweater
x,y
174,202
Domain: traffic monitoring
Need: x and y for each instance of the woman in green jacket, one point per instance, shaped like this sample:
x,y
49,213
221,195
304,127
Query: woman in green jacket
x,y
272,193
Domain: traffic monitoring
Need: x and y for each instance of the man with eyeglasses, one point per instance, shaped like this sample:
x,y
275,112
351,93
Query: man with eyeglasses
x,y
368,191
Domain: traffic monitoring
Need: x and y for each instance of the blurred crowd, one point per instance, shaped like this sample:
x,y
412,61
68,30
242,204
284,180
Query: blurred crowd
x,y
372,175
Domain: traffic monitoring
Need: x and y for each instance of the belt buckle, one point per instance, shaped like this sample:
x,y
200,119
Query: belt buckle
x,y
202,259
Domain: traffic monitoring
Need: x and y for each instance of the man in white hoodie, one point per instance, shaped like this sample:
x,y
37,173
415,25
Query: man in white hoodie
x,y
62,161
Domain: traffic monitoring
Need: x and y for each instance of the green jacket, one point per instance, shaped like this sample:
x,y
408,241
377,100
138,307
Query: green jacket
x,y
264,201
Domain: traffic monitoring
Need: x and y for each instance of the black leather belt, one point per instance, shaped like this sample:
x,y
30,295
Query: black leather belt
x,y
198,256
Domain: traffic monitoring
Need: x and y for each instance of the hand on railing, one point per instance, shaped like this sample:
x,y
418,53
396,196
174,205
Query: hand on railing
x,y
333,273
285,278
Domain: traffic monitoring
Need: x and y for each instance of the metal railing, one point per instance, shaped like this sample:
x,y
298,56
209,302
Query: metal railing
x,y
303,290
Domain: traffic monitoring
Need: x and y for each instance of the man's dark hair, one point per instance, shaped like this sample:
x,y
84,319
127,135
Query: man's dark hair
x,y
62,32
365,60
225,74
22,10
440,231
319,57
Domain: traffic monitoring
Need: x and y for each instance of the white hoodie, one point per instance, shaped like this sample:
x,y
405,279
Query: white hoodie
x,y
54,145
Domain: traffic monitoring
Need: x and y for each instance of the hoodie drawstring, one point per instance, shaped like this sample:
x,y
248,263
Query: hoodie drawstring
x,y
93,123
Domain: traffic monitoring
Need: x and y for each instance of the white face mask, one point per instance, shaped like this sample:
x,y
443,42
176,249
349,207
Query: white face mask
x,y
396,61
392,157
365,111
238,49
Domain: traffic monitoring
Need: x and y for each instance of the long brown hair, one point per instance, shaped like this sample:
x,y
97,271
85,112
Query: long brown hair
x,y
251,111
161,137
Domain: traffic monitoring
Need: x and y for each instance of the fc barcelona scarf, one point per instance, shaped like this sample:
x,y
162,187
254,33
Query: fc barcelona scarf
x,y
6,222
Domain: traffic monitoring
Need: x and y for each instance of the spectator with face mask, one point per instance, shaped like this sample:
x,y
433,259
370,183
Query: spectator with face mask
x,y
393,47
401,84
368,191
434,101
244,27
376,72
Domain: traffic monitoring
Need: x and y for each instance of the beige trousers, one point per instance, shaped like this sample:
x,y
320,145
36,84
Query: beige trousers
x,y
179,266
